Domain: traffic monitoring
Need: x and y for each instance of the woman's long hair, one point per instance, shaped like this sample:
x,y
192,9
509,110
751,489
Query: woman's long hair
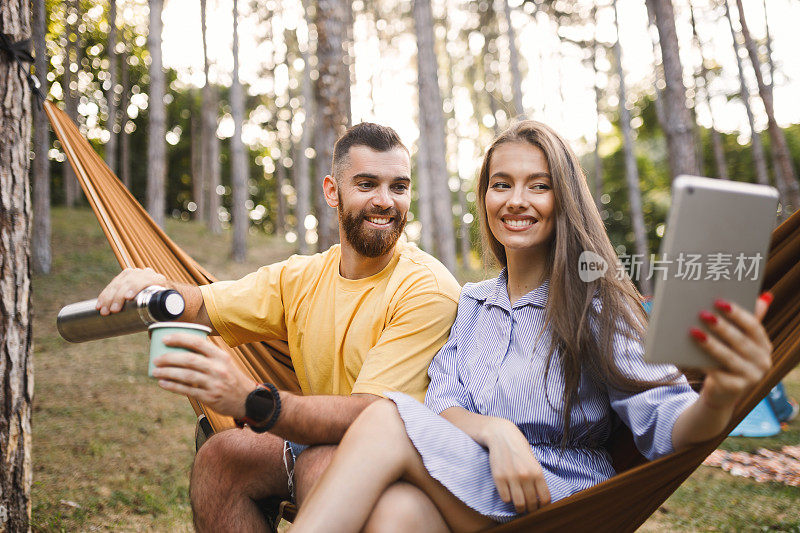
x,y
582,336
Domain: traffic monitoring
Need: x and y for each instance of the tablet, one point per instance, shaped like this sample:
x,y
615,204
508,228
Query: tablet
x,y
715,246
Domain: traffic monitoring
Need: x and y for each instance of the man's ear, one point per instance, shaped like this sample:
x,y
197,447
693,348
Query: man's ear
x,y
331,190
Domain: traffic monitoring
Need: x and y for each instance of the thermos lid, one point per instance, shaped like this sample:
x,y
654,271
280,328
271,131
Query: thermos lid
x,y
166,305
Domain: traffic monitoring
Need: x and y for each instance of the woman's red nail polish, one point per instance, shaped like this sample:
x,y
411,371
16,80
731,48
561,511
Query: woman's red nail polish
x,y
708,318
698,335
766,297
724,306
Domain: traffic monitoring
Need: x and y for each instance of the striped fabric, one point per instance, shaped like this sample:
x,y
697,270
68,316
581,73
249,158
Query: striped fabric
x,y
490,366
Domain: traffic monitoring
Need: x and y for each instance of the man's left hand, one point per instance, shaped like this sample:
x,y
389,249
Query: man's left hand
x,y
206,373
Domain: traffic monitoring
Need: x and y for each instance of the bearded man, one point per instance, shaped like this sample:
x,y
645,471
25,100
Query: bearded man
x,y
362,318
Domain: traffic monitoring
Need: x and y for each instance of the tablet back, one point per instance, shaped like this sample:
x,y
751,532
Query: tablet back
x,y
715,246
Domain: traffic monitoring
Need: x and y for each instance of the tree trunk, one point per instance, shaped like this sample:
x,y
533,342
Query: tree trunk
x,y
238,157
125,137
716,138
488,23
333,102
41,144
207,128
157,121
598,162
759,161
432,135
280,203
464,221
111,93
211,168
776,167
197,159
70,181
516,76
16,363
303,161
658,74
214,175
632,175
678,120
791,200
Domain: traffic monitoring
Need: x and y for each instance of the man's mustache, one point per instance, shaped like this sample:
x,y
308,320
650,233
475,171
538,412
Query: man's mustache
x,y
390,212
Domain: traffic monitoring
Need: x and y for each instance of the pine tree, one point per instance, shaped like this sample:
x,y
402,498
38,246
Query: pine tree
x,y
16,363
238,158
432,136
157,121
42,256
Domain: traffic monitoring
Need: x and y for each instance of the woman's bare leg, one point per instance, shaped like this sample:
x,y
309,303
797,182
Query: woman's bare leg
x,y
373,455
403,508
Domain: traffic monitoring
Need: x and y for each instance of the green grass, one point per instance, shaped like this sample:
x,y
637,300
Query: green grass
x,y
106,438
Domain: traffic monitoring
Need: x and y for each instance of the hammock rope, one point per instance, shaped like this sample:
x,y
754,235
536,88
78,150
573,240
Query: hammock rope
x,y
621,503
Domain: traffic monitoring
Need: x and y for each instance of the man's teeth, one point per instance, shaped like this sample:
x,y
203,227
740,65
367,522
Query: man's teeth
x,y
378,220
519,223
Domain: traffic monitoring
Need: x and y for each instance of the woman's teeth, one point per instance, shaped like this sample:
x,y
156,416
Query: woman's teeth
x,y
519,223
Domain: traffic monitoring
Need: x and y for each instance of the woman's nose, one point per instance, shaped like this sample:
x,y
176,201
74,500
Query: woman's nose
x,y
518,198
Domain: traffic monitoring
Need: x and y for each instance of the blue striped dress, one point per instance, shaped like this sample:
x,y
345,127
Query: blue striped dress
x,y
490,366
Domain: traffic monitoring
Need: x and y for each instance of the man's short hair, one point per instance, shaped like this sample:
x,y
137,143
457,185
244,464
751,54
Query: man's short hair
x,y
374,136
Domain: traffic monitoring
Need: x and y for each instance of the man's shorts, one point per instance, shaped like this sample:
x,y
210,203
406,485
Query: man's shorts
x,y
291,451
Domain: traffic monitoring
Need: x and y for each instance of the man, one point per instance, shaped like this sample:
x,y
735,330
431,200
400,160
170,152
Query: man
x,y
361,318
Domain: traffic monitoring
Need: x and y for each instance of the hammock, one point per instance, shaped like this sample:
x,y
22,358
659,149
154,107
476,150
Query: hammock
x,y
622,503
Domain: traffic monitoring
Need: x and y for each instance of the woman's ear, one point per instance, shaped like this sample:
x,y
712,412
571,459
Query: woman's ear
x,y
331,190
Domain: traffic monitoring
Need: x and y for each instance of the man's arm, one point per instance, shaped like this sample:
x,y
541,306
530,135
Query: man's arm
x,y
128,283
208,374
318,419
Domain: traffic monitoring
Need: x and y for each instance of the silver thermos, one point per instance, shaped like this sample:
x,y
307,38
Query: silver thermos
x,y
80,322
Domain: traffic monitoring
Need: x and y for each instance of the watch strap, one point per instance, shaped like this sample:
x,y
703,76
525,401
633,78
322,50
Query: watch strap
x,y
263,426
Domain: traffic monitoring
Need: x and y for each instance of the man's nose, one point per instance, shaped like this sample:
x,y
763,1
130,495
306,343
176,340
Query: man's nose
x,y
382,199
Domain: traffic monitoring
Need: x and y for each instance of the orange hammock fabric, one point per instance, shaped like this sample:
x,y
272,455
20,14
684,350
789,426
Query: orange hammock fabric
x,y
622,503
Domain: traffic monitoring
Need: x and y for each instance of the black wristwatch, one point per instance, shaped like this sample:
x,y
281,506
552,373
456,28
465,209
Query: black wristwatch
x,y
261,409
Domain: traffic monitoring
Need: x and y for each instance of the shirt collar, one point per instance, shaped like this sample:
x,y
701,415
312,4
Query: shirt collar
x,y
495,292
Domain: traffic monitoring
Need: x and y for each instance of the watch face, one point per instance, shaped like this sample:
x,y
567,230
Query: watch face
x,y
259,405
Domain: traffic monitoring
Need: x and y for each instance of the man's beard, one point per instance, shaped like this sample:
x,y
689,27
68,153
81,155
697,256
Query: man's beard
x,y
371,242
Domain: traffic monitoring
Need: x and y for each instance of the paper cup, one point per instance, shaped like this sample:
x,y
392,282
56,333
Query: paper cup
x,y
159,330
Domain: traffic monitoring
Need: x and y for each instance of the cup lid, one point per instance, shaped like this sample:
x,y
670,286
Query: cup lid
x,y
184,325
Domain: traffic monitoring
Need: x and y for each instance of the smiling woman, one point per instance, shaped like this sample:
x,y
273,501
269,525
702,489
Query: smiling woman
x,y
519,201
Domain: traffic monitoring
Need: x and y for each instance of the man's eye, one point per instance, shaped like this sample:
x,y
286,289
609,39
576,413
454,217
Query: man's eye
x,y
400,187
365,185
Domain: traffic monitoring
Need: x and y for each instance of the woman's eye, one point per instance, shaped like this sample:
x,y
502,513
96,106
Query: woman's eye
x,y
540,187
500,185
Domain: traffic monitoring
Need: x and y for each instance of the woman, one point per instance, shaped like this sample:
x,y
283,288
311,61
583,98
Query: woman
x,y
538,366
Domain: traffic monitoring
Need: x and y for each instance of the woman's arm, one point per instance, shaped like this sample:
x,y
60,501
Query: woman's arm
x,y
517,474
739,344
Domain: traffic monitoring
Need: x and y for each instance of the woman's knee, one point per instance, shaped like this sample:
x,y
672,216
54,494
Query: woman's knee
x,y
381,417
404,507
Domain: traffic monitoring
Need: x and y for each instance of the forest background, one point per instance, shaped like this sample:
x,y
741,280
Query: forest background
x,y
233,169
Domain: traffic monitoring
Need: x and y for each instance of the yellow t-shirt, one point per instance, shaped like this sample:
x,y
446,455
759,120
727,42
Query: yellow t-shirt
x,y
345,336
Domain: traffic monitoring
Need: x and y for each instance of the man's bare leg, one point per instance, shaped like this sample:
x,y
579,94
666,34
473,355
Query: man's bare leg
x,y
401,508
375,454
232,470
